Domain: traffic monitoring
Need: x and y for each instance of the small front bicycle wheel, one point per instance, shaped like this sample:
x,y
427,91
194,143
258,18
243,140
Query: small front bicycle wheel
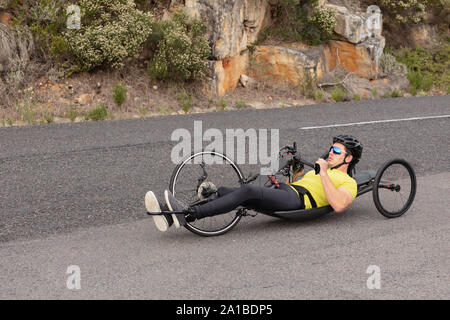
x,y
212,167
394,188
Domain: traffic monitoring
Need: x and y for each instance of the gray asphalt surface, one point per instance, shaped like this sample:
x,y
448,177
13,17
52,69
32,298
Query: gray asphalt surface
x,y
73,195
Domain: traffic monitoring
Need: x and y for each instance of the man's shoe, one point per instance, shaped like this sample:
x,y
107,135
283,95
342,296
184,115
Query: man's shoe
x,y
163,221
176,205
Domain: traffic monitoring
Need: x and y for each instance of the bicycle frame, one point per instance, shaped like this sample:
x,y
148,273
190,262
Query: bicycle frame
x,y
368,187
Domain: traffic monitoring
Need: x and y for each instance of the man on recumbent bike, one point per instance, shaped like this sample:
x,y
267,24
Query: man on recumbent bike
x,y
332,186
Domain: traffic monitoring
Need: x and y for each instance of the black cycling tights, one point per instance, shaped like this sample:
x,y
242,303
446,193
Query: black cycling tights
x,y
260,198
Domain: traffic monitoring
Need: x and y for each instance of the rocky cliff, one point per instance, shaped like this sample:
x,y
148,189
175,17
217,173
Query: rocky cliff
x,y
234,25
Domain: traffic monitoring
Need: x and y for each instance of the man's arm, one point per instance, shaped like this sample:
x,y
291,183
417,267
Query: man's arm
x,y
339,198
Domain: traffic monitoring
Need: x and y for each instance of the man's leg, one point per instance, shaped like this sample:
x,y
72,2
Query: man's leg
x,y
228,202
284,198
208,191
225,190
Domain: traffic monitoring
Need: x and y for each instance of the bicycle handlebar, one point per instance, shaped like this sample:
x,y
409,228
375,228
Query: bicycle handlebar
x,y
315,166
285,169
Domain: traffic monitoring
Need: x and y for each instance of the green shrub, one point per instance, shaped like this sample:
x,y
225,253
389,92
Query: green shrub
x,y
112,30
72,113
185,101
405,10
390,66
427,83
441,75
59,46
46,20
396,94
222,104
143,111
98,114
319,95
182,50
415,81
337,94
323,20
119,94
417,59
240,104
375,92
49,45
165,110
27,113
48,118
356,97
298,22
427,69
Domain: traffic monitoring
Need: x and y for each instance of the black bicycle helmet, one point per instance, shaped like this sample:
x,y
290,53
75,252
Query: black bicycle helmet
x,y
353,146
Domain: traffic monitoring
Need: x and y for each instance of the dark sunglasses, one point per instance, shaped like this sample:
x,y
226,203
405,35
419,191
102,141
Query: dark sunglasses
x,y
336,150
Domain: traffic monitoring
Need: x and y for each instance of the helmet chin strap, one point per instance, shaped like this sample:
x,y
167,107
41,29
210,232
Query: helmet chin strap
x,y
341,164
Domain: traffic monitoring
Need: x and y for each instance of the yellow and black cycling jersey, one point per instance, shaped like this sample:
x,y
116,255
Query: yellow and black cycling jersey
x,y
313,184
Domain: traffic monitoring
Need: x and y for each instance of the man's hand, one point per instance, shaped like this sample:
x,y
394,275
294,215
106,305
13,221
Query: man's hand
x,y
323,165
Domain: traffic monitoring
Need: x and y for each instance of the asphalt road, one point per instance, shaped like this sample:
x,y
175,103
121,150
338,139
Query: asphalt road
x,y
72,194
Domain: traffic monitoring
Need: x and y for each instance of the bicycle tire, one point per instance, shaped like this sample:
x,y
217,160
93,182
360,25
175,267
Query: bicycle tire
x,y
386,183
199,226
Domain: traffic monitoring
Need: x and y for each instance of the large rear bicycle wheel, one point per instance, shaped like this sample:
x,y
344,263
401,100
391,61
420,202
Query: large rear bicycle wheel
x,y
394,188
206,166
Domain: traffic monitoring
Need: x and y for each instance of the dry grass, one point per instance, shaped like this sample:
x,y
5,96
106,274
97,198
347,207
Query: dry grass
x,y
66,100
44,101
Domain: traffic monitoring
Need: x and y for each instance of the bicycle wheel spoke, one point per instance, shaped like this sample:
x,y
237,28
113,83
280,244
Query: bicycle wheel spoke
x,y
401,197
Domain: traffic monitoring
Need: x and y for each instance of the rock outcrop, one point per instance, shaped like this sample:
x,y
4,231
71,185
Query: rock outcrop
x,y
5,18
289,64
356,27
361,59
357,51
362,44
225,74
233,25
357,48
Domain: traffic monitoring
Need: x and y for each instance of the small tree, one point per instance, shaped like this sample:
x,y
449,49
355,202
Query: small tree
x,y
304,20
405,10
119,94
182,50
111,31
